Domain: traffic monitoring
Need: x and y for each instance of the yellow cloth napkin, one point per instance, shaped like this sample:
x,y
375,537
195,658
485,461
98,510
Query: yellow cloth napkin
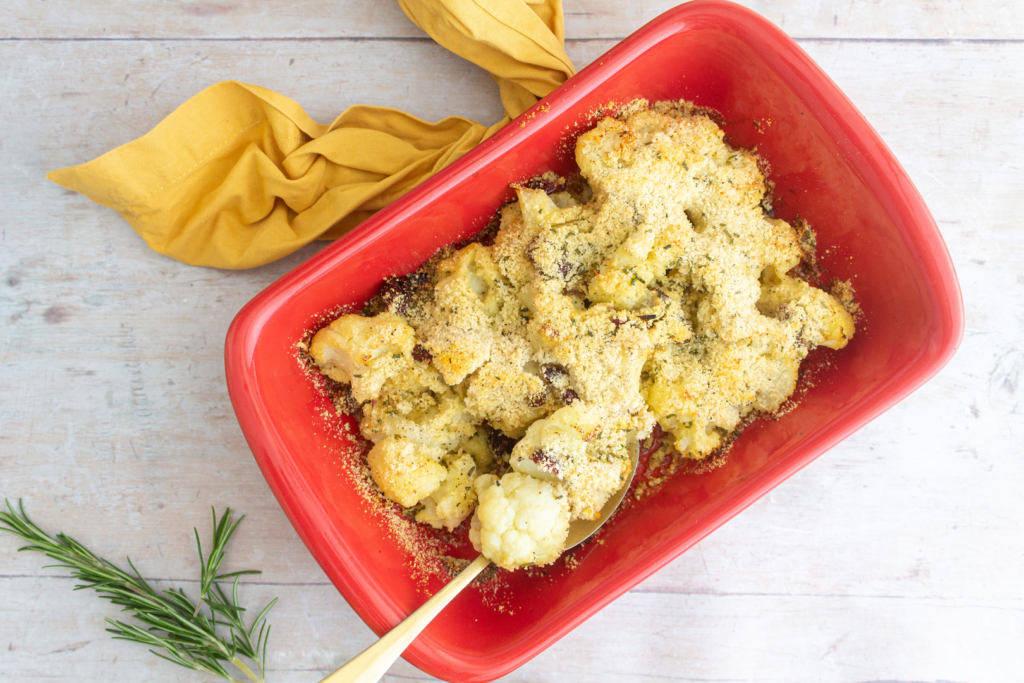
x,y
238,175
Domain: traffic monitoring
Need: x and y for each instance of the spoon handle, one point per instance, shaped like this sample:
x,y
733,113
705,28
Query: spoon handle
x,y
373,662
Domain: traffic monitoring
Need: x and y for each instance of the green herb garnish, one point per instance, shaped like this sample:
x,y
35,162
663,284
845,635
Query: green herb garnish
x,y
190,634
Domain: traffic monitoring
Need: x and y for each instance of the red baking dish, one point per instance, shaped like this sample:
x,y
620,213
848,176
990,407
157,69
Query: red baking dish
x,y
829,167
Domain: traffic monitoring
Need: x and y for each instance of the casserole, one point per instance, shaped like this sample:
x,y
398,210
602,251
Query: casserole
x,y
829,168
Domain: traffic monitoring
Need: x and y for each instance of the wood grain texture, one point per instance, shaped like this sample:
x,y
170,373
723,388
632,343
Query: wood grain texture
x,y
895,556
584,19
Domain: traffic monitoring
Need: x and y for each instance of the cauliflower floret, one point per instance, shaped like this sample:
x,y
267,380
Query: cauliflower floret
x,y
566,245
700,392
551,446
470,275
643,256
363,351
469,294
812,315
826,322
504,392
420,416
507,396
454,499
603,350
520,520
479,446
406,472
572,447
605,150
510,244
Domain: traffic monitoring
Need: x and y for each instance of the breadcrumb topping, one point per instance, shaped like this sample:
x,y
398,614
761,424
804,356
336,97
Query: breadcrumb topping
x,y
654,291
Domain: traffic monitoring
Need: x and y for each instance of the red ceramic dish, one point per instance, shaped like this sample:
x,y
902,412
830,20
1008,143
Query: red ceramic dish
x,y
829,167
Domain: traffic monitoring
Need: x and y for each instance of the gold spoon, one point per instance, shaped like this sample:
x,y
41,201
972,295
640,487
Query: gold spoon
x,y
373,662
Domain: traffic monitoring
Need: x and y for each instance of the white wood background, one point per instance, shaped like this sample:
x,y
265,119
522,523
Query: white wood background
x,y
897,556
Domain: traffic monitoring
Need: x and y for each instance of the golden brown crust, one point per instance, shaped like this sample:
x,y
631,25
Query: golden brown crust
x,y
657,291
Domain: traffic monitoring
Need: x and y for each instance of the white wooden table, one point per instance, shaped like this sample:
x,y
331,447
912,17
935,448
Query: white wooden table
x,y
899,555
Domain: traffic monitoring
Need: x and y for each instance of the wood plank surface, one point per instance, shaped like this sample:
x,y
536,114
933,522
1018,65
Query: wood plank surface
x,y
895,556
584,19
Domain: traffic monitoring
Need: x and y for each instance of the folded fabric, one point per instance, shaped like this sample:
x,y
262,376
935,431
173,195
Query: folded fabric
x,y
239,176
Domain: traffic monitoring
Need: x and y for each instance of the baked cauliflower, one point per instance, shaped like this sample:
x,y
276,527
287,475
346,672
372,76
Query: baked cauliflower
x,y
468,295
581,449
454,499
519,521
406,472
654,291
363,351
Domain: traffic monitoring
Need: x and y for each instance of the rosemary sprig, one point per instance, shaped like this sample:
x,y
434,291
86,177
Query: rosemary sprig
x,y
187,634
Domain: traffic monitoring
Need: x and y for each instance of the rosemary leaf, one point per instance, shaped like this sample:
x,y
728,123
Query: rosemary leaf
x,y
201,635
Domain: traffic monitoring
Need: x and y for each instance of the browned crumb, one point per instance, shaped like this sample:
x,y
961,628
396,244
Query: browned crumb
x,y
842,290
